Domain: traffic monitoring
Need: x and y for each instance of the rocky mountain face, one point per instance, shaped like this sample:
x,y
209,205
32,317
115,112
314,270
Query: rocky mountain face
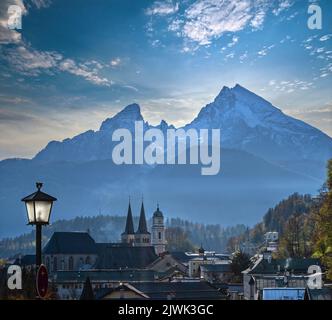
x,y
250,123
247,122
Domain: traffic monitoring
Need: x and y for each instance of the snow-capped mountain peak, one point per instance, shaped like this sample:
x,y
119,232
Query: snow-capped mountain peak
x,y
128,115
247,122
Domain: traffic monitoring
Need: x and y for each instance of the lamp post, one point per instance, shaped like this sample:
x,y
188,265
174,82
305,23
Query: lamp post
x,y
39,207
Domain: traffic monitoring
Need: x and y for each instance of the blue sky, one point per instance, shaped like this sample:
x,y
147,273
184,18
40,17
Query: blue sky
x,y
77,62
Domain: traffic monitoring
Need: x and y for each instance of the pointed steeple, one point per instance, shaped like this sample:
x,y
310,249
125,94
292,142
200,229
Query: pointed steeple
x,y
129,222
87,292
142,227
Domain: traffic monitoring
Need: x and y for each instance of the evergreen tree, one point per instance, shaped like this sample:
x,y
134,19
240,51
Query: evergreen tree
x,y
240,262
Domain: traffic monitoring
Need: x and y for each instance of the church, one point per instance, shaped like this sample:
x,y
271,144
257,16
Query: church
x,y
142,237
70,251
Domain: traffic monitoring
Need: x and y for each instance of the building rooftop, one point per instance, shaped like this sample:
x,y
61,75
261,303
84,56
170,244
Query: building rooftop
x,y
320,294
216,267
199,290
70,243
275,266
118,256
185,257
105,275
26,260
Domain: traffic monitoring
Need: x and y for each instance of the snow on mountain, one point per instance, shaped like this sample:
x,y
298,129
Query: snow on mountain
x,y
250,123
247,122
124,119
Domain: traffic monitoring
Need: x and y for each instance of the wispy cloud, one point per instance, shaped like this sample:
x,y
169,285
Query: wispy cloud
x,y
326,37
83,71
131,88
289,86
12,100
205,20
41,3
228,56
318,49
209,19
30,62
26,60
162,8
115,62
243,57
234,41
13,116
264,51
282,5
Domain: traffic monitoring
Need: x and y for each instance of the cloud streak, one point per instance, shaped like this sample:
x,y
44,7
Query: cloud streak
x,y
162,8
30,62
206,20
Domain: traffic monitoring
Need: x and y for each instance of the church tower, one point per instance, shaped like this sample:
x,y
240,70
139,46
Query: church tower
x,y
142,235
158,232
128,236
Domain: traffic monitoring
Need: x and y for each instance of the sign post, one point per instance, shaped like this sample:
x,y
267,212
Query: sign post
x,y
42,281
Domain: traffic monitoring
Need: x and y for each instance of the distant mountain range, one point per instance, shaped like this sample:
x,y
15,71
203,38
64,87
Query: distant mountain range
x,y
266,155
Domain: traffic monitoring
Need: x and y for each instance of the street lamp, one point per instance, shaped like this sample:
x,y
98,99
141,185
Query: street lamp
x,y
39,206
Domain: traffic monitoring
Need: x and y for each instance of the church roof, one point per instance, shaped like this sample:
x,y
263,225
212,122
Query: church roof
x,y
124,256
70,243
26,260
142,227
129,229
158,213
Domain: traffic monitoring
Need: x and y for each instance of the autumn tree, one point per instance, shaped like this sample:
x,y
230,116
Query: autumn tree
x,y
323,230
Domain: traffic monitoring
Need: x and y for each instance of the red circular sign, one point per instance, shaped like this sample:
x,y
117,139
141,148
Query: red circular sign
x,y
42,281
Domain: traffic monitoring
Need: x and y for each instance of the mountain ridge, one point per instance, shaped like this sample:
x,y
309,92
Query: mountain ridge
x,y
259,166
247,121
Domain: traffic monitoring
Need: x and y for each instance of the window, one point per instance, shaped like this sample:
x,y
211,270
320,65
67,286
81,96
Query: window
x,y
48,263
55,264
71,263
159,235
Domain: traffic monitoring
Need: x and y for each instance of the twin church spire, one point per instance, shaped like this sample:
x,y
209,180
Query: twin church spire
x,y
142,227
129,229
142,236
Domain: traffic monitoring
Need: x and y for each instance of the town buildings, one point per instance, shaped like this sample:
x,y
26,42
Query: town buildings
x,y
139,258
268,273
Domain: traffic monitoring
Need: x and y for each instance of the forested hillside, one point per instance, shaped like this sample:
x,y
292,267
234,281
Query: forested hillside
x,y
181,234
304,224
